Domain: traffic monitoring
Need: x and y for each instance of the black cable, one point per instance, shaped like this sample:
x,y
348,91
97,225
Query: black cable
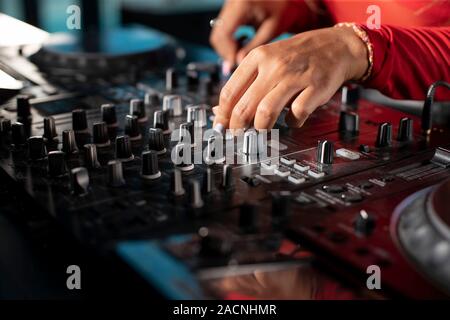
x,y
427,118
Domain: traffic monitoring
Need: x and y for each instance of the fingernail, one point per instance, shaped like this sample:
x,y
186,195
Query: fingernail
x,y
214,109
226,68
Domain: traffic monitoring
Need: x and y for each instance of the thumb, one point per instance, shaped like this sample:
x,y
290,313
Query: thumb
x,y
266,32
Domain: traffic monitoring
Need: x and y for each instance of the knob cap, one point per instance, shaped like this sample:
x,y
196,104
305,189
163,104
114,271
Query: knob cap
x,y
156,140
123,149
227,178
90,156
183,161
36,148
247,217
19,136
100,134
150,169
325,152
250,146
349,123
172,104
213,152
161,120
23,108
80,181
132,127
350,95
187,133
384,137
151,99
364,223
79,120
50,129
137,108
405,130
208,181
197,115
115,173
56,164
109,114
195,194
5,126
176,183
171,79
69,145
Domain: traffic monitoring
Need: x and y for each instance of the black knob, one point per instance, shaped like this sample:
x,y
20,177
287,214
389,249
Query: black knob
x,y
156,140
100,134
137,108
90,156
123,148
171,79
19,136
208,181
187,133
349,123
23,108
5,126
183,157
176,183
150,168
69,145
405,130
364,223
161,120
325,152
350,95
115,173
247,217
195,194
80,181
56,164
50,129
152,99
384,136
132,127
79,120
281,204
227,177
109,114
36,148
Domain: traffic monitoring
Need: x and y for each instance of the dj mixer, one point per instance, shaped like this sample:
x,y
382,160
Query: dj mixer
x,y
358,185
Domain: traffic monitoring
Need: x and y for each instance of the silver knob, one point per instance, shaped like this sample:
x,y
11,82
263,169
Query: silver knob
x,y
173,104
250,146
197,115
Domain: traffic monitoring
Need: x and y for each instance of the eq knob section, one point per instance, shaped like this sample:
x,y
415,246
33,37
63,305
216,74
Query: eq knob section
x,y
325,152
384,136
405,130
150,169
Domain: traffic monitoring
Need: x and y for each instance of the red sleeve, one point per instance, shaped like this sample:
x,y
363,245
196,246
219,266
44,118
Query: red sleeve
x,y
406,61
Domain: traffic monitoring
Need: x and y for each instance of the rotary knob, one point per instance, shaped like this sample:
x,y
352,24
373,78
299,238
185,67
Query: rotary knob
x,y
176,183
364,223
227,177
183,157
151,99
172,103
109,115
5,126
132,127
50,129
36,148
384,136
161,120
325,152
23,108
137,108
405,130
171,79
69,145
19,136
80,181
90,156
123,149
350,95
79,120
197,115
349,123
115,173
250,146
156,140
150,169
187,133
100,134
56,164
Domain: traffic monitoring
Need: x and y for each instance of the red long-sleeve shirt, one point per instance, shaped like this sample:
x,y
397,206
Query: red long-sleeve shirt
x,y
411,47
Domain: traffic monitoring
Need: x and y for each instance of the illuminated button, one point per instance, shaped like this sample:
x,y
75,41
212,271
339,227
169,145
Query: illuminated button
x,y
316,174
296,178
287,161
347,154
282,172
301,167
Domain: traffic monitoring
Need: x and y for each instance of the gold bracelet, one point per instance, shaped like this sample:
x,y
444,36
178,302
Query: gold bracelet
x,y
364,38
